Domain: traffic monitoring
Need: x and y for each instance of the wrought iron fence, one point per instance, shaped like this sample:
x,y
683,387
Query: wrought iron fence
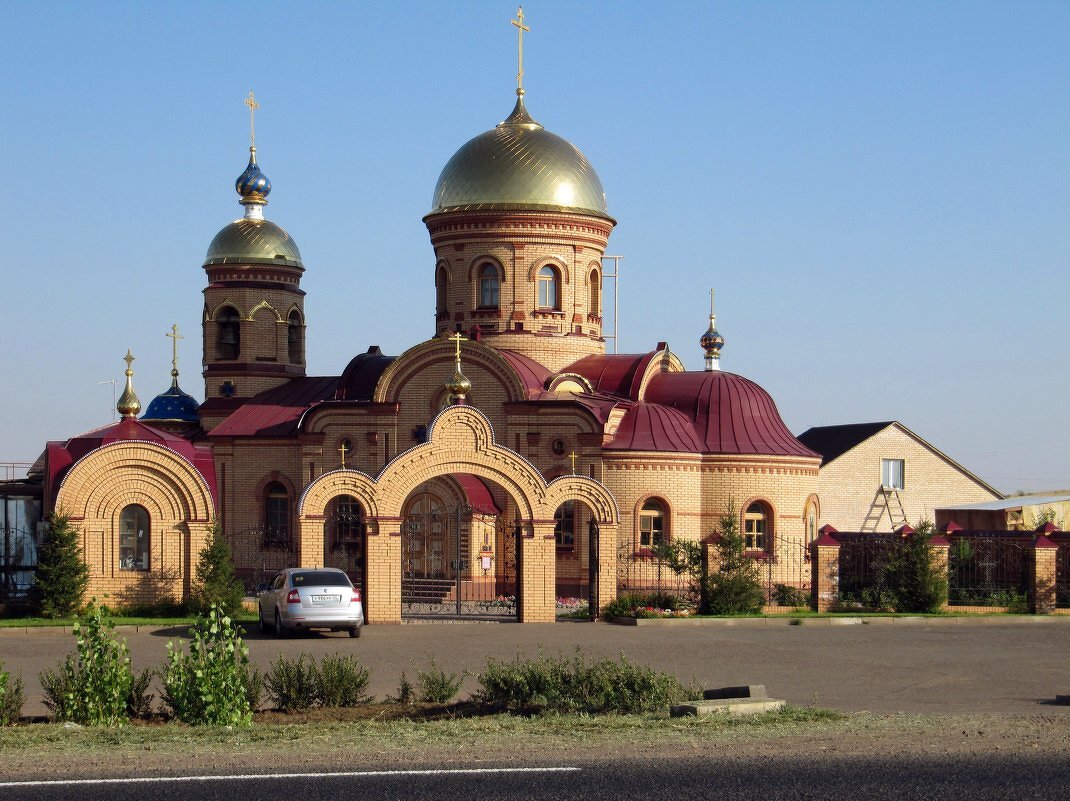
x,y
987,569
865,567
786,573
651,570
18,564
259,553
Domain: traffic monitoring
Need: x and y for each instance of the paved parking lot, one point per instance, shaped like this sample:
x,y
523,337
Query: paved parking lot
x,y
943,666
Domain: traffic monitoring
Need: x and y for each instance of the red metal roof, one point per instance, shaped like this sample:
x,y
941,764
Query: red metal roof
x,y
361,375
729,413
275,413
650,427
531,374
616,374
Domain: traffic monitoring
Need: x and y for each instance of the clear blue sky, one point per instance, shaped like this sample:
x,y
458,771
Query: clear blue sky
x,y
879,192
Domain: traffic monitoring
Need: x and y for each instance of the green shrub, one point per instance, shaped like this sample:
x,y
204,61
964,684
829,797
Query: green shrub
x,y
633,604
736,586
547,684
215,581
93,687
11,697
211,684
917,580
62,574
139,699
435,686
787,595
292,683
342,681
406,692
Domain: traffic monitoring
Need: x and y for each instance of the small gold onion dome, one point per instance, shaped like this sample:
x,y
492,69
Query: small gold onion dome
x,y
128,405
459,386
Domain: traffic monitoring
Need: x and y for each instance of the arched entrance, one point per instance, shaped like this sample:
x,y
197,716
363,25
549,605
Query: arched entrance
x,y
345,535
458,552
576,533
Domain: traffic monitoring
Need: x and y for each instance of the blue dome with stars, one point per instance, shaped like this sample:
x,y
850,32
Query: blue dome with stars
x,y
252,184
173,406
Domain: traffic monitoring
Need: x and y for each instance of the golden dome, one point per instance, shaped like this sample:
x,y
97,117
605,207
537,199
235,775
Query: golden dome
x,y
519,165
253,241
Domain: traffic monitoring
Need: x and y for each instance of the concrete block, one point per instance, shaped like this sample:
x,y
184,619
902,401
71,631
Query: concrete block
x,y
734,707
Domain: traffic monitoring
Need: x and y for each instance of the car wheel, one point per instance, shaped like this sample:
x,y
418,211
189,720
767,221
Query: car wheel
x,y
355,631
280,630
265,627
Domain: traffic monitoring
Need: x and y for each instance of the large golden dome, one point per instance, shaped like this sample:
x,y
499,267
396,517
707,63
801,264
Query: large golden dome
x,y
252,241
519,165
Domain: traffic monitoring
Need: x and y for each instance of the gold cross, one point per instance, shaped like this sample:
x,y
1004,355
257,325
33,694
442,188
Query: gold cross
x,y
344,449
250,101
458,338
174,336
129,359
520,28
572,456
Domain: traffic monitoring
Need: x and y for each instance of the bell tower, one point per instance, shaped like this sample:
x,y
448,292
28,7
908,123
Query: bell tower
x,y
254,318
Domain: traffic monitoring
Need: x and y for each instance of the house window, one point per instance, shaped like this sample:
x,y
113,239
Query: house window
x,y
293,338
489,287
594,301
892,473
756,528
565,526
652,524
134,538
228,328
277,514
548,286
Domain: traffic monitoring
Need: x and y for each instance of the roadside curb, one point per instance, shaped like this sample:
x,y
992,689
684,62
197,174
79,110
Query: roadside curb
x,y
907,620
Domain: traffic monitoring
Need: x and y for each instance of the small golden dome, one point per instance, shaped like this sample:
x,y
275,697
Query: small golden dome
x,y
128,404
519,165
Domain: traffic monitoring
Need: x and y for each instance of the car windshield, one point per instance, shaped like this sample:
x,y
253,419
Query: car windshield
x,y
327,578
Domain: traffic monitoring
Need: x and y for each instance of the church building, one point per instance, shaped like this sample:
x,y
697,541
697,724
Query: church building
x,y
503,463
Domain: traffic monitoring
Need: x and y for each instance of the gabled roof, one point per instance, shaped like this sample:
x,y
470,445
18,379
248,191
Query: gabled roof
x,y
833,442
275,412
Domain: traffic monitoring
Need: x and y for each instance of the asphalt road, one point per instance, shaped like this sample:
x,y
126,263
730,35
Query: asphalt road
x,y
815,777
943,666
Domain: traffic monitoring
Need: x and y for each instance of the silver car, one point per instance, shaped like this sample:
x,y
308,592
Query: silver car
x,y
311,598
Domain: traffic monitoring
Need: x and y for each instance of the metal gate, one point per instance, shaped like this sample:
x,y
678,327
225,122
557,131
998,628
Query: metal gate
x,y
457,562
259,553
18,563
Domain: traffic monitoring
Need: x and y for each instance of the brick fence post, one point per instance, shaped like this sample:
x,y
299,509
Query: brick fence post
x,y
1042,589
824,572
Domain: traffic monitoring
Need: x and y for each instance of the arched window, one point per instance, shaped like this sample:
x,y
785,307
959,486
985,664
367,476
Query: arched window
x,y
757,527
348,518
294,338
134,538
276,514
565,526
489,287
594,294
441,285
652,524
549,297
228,326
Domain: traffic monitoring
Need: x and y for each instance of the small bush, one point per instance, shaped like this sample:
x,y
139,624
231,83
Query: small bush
x,y
639,604
211,684
92,687
292,683
787,595
406,692
435,686
547,684
11,697
139,699
341,681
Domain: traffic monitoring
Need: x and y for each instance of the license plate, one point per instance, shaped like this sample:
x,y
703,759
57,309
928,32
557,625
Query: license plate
x,y
326,599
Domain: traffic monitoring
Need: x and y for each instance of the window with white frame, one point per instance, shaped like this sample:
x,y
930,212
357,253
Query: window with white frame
x,y
134,538
756,527
489,287
652,524
892,473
